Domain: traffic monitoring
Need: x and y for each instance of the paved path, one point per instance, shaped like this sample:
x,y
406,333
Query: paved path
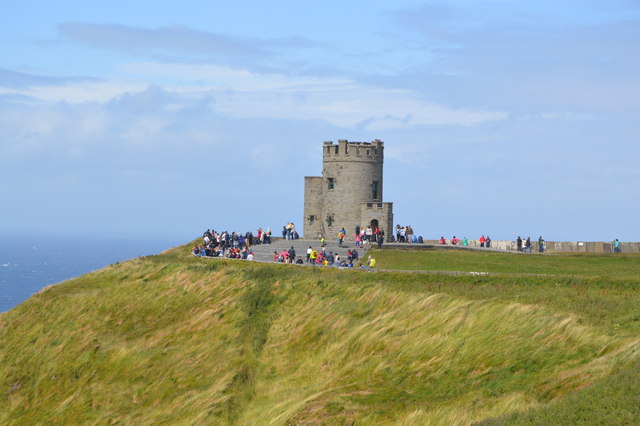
x,y
264,252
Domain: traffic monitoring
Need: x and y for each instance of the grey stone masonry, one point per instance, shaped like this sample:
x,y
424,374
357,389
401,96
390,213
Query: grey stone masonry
x,y
312,207
265,252
349,193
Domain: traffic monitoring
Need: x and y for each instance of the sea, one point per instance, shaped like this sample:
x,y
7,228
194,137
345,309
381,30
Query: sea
x,y
30,263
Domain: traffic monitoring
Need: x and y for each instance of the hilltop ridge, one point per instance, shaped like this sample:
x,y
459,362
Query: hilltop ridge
x,y
177,339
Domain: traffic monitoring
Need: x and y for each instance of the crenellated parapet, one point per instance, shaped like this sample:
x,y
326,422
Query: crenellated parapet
x,y
354,151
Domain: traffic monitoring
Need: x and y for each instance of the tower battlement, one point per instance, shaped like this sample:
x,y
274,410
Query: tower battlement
x,y
353,151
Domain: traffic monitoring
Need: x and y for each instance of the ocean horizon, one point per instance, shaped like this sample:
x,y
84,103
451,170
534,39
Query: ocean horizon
x,y
28,264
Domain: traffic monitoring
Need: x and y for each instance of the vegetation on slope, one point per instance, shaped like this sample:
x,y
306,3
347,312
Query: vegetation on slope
x,y
183,340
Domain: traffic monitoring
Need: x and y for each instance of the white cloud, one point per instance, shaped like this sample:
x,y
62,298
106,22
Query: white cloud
x,y
185,77
239,93
373,108
90,91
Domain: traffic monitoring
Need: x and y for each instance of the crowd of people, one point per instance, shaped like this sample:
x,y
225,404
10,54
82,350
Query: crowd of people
x,y
317,257
405,234
289,232
482,241
237,245
233,245
519,244
525,246
364,235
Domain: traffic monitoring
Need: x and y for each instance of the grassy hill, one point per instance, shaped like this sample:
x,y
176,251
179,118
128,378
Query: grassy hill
x,y
173,339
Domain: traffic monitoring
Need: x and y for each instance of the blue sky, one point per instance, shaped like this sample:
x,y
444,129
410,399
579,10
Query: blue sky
x,y
168,118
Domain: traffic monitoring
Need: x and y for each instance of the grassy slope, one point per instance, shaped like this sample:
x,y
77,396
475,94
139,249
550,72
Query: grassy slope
x,y
174,339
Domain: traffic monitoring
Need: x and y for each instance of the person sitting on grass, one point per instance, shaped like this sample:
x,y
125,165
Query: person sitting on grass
x,y
371,263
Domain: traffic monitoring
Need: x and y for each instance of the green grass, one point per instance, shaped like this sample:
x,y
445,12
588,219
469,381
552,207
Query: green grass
x,y
174,339
621,265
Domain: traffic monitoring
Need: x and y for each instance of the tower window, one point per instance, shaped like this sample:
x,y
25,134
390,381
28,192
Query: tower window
x,y
331,183
374,190
329,221
312,218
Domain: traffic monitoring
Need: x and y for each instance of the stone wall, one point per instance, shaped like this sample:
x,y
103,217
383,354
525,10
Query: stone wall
x,y
557,246
380,212
312,226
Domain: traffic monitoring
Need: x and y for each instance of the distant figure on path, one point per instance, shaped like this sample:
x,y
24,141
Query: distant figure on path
x,y
313,257
482,241
488,242
408,234
540,244
341,237
357,240
616,246
519,243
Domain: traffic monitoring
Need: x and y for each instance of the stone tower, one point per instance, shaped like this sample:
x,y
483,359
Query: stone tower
x,y
349,193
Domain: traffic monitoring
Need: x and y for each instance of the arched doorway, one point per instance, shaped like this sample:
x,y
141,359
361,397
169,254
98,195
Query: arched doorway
x,y
374,224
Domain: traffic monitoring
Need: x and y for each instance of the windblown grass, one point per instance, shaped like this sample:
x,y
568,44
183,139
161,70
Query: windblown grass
x,y
180,340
